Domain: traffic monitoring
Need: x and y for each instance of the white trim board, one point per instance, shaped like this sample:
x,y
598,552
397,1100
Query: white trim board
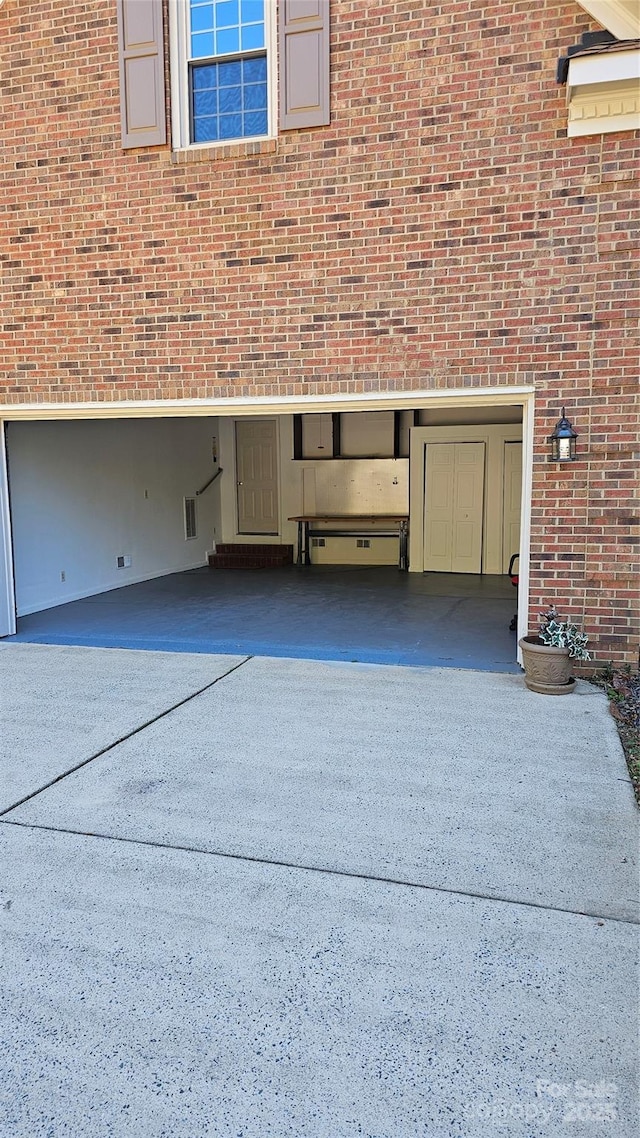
x,y
7,591
525,523
269,404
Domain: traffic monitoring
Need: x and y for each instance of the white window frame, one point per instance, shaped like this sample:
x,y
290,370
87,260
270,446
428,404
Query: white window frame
x,y
179,53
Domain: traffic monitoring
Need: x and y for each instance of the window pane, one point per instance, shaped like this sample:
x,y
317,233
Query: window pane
x,y
230,99
255,123
205,77
202,18
255,97
229,74
228,41
205,130
205,103
252,11
255,70
252,37
202,45
227,13
231,126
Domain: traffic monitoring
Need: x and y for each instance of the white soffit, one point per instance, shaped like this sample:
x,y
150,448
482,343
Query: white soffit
x,y
620,17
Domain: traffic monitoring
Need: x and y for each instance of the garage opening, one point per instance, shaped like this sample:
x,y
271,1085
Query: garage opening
x,y
379,535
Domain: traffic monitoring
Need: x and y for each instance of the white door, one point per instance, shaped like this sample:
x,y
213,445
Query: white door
x,y
257,475
511,498
453,507
7,597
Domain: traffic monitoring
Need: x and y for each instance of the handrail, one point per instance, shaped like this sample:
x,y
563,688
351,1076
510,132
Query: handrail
x,y
207,484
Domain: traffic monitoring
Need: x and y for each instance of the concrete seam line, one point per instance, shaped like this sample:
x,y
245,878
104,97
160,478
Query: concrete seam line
x,y
123,738
351,874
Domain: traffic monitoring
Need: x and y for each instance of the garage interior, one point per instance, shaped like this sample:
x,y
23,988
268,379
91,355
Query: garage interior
x,y
180,533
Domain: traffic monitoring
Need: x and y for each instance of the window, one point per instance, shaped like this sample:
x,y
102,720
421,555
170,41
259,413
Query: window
x,y
244,69
224,85
227,52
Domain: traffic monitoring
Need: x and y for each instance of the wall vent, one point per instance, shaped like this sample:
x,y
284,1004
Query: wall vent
x,y
190,523
363,543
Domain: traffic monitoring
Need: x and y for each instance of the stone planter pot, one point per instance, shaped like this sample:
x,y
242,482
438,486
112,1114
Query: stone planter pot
x,y
546,670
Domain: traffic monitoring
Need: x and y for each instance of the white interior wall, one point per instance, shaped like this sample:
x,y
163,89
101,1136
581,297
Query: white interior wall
x,y
85,492
356,486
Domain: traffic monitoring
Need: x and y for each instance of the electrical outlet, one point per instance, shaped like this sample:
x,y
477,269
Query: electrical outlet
x,y
63,575
123,561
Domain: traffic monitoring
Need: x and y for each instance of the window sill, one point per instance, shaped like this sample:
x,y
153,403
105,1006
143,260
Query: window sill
x,y
243,148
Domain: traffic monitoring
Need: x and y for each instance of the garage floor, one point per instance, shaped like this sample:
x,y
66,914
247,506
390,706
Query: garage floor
x,y
371,615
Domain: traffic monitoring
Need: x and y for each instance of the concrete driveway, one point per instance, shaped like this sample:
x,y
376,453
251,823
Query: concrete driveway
x,y
248,897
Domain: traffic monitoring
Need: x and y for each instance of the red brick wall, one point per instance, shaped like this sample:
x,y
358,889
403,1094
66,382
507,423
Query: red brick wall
x,y
441,232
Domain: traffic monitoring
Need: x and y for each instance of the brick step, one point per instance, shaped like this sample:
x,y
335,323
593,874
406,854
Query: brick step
x,y
236,556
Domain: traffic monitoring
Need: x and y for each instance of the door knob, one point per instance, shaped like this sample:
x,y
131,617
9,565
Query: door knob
x,y
240,483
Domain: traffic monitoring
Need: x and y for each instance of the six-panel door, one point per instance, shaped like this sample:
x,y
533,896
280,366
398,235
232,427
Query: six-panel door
x,y
257,475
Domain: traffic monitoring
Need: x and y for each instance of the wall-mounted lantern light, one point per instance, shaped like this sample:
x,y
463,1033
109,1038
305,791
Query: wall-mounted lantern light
x,y
563,441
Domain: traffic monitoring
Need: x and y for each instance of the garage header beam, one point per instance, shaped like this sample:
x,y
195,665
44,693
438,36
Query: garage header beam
x,y
268,404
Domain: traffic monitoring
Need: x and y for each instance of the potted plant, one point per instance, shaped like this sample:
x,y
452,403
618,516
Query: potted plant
x,y
547,657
